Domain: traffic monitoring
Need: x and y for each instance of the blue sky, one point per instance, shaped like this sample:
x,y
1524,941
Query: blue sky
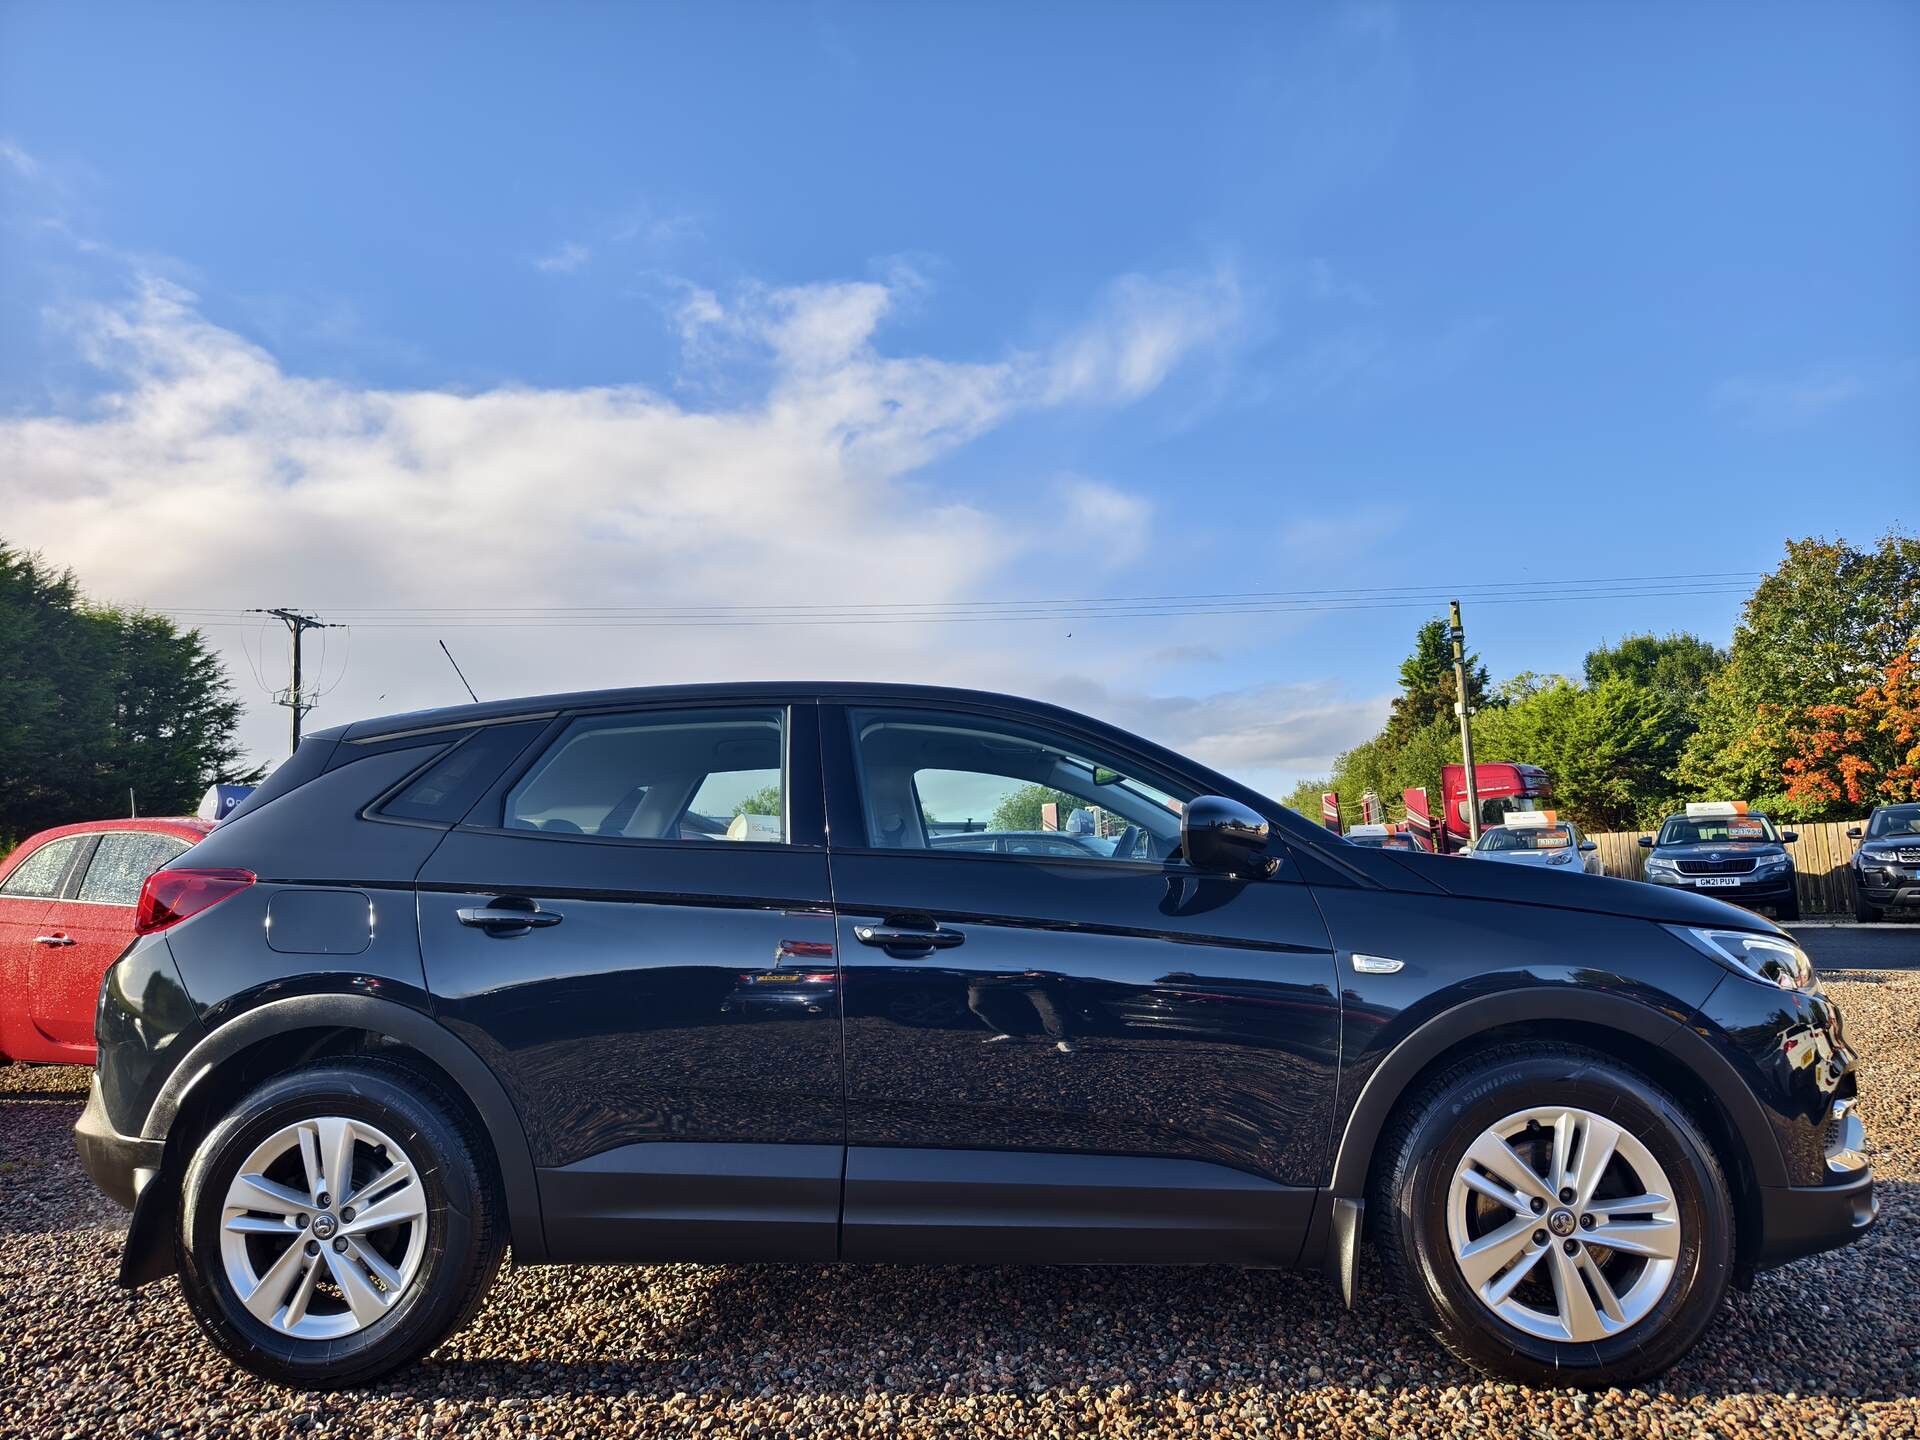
x,y
867,303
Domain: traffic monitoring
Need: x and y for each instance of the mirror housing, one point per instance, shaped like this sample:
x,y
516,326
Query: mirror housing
x,y
1589,844
1789,836
1646,842
1853,832
1224,837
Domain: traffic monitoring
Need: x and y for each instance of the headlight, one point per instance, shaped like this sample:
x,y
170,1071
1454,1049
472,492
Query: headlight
x,y
1770,862
1667,868
1772,959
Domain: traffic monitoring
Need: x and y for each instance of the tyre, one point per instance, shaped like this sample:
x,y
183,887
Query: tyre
x,y
1788,909
1863,912
339,1223
1554,1218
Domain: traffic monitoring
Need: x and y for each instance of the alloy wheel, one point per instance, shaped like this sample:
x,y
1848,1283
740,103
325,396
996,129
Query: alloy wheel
x,y
1563,1224
323,1228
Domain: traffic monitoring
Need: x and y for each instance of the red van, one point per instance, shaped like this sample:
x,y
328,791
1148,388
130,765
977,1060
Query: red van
x,y
67,898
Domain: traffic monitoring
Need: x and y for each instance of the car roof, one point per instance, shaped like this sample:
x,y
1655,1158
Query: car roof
x,y
743,691
185,827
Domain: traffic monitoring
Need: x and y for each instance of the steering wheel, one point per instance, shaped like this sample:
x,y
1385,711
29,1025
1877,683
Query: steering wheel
x,y
1127,847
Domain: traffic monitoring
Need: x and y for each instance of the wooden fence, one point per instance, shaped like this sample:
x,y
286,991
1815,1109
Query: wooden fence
x,y
1820,861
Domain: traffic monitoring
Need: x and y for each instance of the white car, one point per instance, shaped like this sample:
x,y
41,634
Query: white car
x,y
1556,843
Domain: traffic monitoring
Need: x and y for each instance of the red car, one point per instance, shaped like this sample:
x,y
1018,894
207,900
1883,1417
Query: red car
x,y
67,898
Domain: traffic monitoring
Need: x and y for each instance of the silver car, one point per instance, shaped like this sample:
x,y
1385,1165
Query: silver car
x,y
1558,844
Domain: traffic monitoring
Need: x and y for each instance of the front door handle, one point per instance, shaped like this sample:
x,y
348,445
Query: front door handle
x,y
888,937
507,919
53,940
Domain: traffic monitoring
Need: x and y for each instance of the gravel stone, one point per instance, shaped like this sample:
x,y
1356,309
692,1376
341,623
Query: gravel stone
x,y
1827,1347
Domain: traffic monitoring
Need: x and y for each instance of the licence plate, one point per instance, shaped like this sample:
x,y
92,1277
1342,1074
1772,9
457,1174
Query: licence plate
x,y
1716,880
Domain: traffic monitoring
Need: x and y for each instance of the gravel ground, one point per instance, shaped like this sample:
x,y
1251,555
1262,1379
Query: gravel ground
x,y
1827,1347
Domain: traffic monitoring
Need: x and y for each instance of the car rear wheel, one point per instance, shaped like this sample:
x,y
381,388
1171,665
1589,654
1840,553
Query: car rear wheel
x,y
1555,1218
338,1224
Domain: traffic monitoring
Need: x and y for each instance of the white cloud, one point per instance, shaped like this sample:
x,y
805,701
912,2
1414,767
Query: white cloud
x,y
1113,526
208,476
564,259
1144,326
18,160
1783,402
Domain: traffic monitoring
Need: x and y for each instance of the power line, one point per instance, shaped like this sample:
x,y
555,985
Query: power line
x,y
1591,587
615,620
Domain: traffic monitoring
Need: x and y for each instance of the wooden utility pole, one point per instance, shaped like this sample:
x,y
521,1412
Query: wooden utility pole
x,y
1465,712
298,622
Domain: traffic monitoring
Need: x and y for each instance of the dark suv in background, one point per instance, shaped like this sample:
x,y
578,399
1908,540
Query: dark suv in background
x,y
1886,866
682,974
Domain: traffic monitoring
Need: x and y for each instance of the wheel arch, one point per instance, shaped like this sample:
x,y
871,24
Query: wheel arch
x,y
285,1034
1673,1054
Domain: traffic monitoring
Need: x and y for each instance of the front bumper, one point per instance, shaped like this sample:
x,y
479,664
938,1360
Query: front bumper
x,y
121,1165
1884,888
1804,1220
1774,889
1799,1220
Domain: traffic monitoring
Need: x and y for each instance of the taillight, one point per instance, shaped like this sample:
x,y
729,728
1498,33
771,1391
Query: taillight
x,y
170,896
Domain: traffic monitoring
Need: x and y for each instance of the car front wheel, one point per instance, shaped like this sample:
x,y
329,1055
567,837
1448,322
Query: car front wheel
x,y
1555,1218
337,1224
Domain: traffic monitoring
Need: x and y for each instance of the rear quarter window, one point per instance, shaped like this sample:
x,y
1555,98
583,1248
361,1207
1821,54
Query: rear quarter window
x,y
122,863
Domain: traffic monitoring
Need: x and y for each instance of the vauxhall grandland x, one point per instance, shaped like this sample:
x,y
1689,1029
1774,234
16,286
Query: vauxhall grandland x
x,y
700,974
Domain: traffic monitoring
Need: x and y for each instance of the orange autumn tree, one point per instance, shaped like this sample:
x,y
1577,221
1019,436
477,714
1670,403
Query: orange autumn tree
x,y
1864,752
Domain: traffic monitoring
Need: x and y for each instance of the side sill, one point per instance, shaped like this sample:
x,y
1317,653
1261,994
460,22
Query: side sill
x,y
704,1201
991,1207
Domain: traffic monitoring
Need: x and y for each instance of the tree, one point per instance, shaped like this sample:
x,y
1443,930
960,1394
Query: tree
x,y
1427,691
1817,632
1611,748
1678,665
1863,753
1020,809
764,801
95,702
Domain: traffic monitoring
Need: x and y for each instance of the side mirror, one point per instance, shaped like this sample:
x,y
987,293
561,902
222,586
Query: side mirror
x,y
1789,836
1646,842
1224,837
1853,832
1589,845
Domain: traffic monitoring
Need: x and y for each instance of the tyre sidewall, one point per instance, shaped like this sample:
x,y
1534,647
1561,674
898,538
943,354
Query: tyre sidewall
x,y
1701,1270
446,1172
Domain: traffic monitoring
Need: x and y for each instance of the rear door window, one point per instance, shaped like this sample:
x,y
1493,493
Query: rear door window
x,y
122,863
39,876
695,775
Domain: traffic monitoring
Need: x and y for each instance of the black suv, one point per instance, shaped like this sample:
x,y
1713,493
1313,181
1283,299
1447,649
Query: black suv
x,y
1886,867
678,974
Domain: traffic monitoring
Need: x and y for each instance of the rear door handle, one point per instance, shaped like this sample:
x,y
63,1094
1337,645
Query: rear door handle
x,y
501,919
887,937
53,940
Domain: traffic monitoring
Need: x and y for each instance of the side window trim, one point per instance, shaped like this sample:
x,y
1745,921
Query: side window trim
x,y
69,887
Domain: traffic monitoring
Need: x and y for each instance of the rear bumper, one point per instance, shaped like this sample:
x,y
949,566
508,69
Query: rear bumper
x,y
119,1164
1804,1220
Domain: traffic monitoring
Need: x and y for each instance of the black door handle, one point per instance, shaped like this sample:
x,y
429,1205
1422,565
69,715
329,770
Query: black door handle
x,y
889,937
506,920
